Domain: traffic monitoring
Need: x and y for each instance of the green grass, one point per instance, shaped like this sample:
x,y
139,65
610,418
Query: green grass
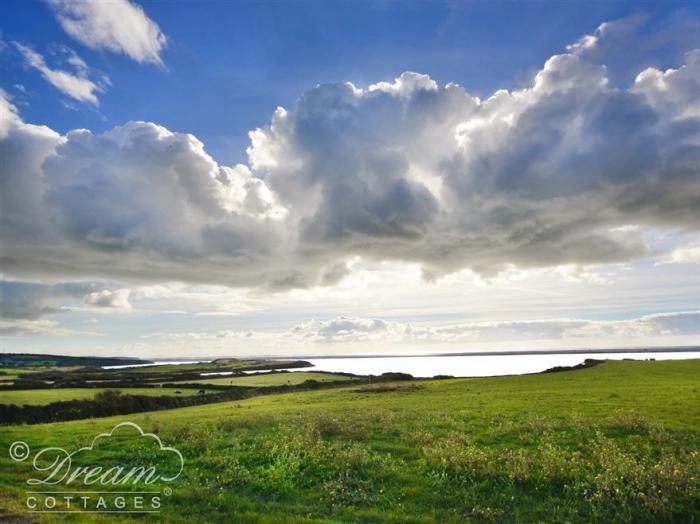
x,y
20,371
40,397
9,374
271,379
614,443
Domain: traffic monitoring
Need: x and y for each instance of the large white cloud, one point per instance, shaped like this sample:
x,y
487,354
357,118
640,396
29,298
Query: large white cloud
x,y
539,176
138,201
554,173
8,114
119,26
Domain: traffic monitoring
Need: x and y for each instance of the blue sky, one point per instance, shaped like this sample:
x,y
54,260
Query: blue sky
x,y
496,175
228,65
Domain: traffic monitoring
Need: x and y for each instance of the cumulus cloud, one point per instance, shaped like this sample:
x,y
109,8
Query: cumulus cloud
x,y
138,201
540,176
77,86
119,26
117,299
682,255
639,41
675,92
571,169
344,329
8,114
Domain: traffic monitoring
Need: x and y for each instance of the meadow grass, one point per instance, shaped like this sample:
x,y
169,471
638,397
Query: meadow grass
x,y
614,443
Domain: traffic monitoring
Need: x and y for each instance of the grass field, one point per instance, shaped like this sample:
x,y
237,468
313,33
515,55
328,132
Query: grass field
x,y
618,442
271,379
9,374
19,371
39,397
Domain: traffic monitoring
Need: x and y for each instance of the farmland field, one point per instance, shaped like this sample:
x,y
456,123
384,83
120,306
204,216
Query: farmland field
x,y
217,365
271,379
617,442
46,396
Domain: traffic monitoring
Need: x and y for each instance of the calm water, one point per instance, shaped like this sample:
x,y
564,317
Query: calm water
x,y
457,366
476,366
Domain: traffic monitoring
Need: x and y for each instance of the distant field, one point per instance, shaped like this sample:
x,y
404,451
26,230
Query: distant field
x,y
39,397
223,365
271,379
19,371
7,373
618,442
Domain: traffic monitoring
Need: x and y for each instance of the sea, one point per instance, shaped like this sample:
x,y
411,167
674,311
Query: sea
x,y
462,365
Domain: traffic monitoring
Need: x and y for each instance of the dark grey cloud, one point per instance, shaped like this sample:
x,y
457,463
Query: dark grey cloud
x,y
24,300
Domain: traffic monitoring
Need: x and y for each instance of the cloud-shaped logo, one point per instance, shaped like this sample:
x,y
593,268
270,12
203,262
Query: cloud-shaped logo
x,y
60,466
142,433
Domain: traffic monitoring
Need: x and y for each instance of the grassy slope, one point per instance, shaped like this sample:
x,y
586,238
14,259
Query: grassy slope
x,y
271,379
39,397
617,442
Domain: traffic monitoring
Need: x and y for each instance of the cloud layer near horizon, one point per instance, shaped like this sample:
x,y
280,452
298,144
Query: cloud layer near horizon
x,y
554,173
370,335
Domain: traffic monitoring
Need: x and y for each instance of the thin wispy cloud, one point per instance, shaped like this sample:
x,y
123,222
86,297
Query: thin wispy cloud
x,y
75,85
118,26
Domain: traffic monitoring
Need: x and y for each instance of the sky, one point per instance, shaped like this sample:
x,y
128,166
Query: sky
x,y
182,179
